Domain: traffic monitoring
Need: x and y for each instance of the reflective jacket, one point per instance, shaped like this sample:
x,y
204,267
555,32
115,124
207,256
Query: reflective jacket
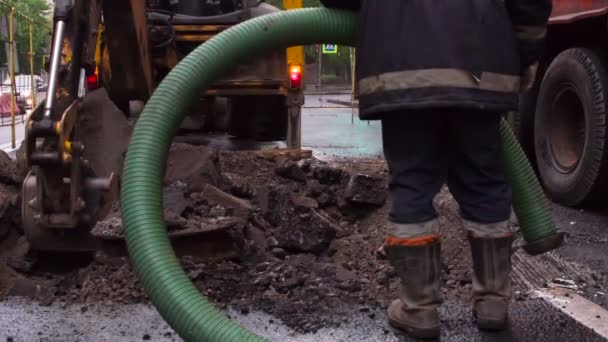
x,y
444,53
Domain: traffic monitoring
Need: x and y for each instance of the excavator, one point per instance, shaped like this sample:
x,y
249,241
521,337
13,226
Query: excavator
x,y
72,155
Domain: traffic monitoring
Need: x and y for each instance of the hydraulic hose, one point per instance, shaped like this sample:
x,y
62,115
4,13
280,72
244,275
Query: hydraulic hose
x,y
192,316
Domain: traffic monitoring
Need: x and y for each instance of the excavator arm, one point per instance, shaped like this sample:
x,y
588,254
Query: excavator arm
x,y
126,37
64,194
74,149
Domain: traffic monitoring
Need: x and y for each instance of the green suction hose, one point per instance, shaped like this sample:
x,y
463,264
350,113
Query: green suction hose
x,y
529,201
169,288
171,291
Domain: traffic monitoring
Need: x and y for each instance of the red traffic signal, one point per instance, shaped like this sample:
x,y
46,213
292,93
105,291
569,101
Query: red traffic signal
x,y
295,76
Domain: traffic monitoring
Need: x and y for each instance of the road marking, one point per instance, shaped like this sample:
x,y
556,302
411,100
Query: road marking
x,y
580,309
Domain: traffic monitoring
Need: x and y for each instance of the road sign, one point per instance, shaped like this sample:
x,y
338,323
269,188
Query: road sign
x,y
330,48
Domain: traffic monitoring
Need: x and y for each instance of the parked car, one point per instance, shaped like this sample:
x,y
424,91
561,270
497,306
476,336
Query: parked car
x,y
5,110
23,89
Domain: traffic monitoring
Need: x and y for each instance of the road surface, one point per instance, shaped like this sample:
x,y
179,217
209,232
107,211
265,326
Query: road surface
x,y
543,315
532,320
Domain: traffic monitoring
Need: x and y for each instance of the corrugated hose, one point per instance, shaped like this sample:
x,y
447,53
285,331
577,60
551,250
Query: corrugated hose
x,y
179,302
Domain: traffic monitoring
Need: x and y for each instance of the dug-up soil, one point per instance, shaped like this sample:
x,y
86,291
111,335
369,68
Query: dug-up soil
x,y
300,238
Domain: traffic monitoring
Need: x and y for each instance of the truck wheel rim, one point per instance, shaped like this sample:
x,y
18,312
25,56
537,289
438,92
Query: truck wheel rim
x,y
567,130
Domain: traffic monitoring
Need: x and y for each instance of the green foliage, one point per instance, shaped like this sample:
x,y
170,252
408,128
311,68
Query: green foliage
x,y
331,79
338,64
335,67
40,12
37,9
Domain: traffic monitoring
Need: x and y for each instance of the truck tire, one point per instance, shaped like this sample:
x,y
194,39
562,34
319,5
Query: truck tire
x,y
570,140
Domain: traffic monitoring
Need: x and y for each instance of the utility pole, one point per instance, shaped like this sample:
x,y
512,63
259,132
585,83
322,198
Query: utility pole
x,y
295,97
11,67
32,85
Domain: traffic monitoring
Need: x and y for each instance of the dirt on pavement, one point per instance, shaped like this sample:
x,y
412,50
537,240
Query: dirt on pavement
x,y
304,239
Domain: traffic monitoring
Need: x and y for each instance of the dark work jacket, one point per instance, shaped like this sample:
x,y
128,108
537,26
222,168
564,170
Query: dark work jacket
x,y
414,54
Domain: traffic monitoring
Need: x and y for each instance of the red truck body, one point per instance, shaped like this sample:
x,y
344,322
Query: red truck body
x,y
566,11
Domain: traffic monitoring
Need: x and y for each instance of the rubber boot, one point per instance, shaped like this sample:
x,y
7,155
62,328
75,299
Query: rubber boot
x,y
491,280
415,312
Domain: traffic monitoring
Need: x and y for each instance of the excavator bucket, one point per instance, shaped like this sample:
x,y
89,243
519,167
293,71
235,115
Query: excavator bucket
x,y
104,132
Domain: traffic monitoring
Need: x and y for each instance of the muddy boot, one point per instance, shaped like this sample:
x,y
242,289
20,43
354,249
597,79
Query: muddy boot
x,y
491,280
415,312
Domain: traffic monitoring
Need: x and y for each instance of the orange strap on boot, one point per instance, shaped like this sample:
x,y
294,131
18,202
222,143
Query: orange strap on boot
x,y
414,241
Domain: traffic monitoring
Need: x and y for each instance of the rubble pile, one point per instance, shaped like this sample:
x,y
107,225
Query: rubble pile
x,y
287,234
9,194
12,260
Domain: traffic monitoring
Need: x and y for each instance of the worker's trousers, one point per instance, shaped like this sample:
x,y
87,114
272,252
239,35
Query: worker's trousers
x,y
426,149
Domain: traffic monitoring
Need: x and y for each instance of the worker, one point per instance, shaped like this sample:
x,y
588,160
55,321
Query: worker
x,y
439,74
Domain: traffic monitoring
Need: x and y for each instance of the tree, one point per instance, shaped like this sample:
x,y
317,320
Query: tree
x,y
39,11
337,65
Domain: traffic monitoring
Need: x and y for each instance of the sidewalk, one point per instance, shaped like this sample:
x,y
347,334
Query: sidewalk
x,y
312,89
5,137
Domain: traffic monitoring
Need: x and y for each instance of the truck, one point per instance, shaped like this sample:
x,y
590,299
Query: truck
x,y
562,121
73,151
